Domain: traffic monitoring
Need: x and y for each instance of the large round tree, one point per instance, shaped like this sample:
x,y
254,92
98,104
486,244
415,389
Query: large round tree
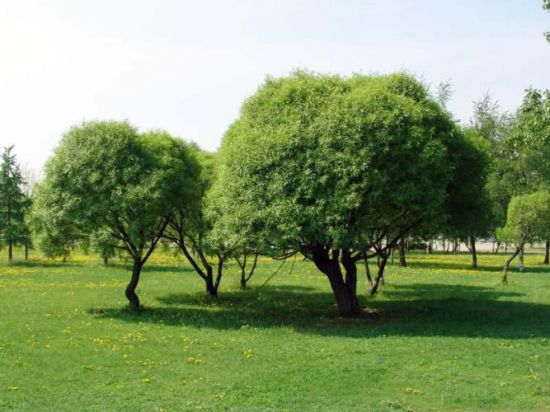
x,y
333,167
105,176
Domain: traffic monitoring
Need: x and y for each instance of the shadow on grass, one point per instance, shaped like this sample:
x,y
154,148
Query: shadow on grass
x,y
165,268
47,264
419,264
417,310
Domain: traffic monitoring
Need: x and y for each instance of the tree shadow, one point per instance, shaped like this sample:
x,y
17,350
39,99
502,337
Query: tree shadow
x,y
52,264
414,311
442,291
481,267
165,268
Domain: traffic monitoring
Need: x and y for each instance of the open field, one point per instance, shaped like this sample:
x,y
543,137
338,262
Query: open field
x,y
439,336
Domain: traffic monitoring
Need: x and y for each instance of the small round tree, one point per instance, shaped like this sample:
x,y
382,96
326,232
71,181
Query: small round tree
x,y
528,220
468,208
106,177
332,167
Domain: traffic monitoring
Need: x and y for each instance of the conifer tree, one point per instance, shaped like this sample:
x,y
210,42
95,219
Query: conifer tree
x,y
13,202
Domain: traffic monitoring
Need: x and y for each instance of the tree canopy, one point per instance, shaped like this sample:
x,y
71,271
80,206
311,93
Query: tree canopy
x,y
330,166
468,210
528,220
106,177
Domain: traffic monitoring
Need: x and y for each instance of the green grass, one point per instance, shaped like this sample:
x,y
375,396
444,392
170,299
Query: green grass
x,y
439,336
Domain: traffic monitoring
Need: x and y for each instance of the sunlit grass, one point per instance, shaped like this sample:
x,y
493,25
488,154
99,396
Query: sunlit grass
x,y
439,336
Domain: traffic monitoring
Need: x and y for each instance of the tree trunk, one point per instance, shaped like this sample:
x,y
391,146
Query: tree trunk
x,y
105,261
367,271
131,288
244,276
242,266
402,260
211,288
243,279
26,251
507,265
348,304
520,264
547,253
344,291
10,252
474,251
351,273
380,275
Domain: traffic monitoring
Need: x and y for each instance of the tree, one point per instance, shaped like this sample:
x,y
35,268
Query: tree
x,y
332,167
13,203
106,177
190,228
468,207
495,128
531,144
30,179
528,220
243,261
53,229
102,243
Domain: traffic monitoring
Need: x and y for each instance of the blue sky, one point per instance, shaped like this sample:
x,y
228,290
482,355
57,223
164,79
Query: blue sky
x,y
186,66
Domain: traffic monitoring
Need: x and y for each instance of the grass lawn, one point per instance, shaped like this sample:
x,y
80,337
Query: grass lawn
x,y
439,336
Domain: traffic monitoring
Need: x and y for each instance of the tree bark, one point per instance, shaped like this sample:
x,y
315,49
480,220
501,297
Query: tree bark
x,y
131,288
10,252
521,253
26,251
547,253
380,275
474,251
344,290
367,271
242,266
507,265
348,304
402,260
211,287
244,276
243,279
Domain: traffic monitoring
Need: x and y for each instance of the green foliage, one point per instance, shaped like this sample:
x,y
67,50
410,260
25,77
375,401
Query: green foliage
x,y
102,242
520,155
529,144
495,128
13,202
105,178
528,219
328,160
468,206
53,228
